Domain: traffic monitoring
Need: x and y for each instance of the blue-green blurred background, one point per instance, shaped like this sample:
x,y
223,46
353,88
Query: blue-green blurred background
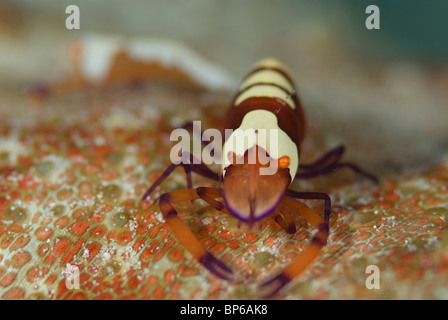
x,y
388,86
409,28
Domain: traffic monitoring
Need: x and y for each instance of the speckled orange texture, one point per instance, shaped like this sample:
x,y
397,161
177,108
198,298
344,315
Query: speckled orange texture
x,y
73,171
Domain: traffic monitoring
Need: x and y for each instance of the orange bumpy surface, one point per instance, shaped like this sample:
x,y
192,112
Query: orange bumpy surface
x,y
73,170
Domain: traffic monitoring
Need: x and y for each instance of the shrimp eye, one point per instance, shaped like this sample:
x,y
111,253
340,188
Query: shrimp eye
x,y
283,162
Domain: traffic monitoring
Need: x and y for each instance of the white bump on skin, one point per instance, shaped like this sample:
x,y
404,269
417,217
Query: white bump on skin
x,y
13,148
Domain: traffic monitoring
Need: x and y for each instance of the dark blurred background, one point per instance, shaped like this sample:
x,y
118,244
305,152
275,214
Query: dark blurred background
x,y
234,32
388,85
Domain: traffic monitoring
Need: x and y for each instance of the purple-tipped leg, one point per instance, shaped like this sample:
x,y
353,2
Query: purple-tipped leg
x,y
277,283
328,163
190,164
215,266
